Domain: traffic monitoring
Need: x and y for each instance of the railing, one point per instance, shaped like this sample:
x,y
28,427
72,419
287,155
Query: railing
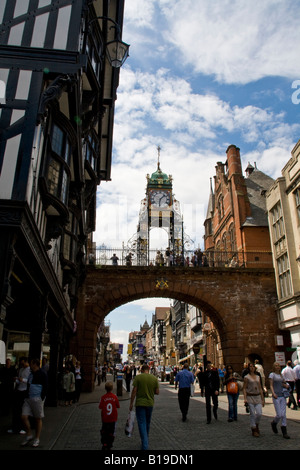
x,y
104,256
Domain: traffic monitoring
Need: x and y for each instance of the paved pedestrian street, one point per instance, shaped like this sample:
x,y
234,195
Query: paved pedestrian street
x,y
77,428
169,433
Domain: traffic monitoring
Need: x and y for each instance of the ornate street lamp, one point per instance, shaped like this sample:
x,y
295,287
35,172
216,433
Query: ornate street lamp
x,y
117,51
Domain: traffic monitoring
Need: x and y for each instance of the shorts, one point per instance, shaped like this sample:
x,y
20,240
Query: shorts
x,y
33,407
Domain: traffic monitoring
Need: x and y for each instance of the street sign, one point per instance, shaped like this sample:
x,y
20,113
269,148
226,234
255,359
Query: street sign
x,y
196,348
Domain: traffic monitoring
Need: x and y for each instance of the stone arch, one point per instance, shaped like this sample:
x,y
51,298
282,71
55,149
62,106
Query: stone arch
x,y
240,302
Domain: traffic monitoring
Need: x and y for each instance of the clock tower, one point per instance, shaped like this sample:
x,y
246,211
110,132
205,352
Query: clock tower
x,y
159,209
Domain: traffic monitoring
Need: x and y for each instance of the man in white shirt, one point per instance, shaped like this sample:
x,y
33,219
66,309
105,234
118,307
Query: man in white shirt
x,y
289,376
296,371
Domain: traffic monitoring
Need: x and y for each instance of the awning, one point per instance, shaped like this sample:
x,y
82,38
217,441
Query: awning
x,y
185,358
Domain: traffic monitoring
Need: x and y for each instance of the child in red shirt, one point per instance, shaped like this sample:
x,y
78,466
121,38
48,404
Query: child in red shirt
x,y
109,414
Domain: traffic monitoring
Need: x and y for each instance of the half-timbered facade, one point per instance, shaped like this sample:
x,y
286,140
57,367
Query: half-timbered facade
x,y
57,94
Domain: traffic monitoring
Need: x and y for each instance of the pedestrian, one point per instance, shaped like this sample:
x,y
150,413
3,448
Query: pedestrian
x,y
114,259
34,403
277,386
103,373
232,390
145,386
68,385
289,376
297,380
210,383
254,398
184,379
221,372
167,256
259,368
19,396
128,378
8,374
108,405
79,378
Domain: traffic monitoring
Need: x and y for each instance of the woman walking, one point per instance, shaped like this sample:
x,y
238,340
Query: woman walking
x,y
232,390
277,386
254,398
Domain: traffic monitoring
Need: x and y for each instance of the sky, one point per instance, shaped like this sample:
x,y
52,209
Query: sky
x,y
201,75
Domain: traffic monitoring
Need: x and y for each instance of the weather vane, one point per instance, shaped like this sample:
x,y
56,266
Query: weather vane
x,y
158,157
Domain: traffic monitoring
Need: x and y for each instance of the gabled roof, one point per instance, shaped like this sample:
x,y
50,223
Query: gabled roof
x,y
257,184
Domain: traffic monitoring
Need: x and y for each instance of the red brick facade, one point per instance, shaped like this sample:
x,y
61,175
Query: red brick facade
x,y
241,303
236,217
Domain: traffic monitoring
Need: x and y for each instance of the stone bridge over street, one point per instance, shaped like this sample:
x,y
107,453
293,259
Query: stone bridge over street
x,y
240,302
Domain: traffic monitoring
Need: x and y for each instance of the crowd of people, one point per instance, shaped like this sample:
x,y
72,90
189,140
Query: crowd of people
x,y
252,384
25,389
23,392
170,258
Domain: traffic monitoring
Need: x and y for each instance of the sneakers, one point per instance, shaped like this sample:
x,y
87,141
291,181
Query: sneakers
x,y
27,440
36,443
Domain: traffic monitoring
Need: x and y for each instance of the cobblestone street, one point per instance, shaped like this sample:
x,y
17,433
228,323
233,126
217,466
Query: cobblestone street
x,y
169,433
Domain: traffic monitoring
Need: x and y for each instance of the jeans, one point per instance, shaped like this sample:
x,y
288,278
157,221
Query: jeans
x,y
208,397
143,417
232,402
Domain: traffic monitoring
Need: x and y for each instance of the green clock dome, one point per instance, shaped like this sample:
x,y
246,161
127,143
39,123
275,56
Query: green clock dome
x,y
159,179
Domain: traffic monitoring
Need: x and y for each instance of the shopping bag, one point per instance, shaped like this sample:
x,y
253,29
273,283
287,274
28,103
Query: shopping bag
x,y
192,390
130,423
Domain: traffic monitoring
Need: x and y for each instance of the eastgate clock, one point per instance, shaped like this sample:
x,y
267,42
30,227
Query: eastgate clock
x,y
160,198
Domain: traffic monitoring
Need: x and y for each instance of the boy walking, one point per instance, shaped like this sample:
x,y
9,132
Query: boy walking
x,y
108,405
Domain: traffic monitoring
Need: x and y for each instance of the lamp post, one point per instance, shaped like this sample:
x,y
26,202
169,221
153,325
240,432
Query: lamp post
x,y
117,51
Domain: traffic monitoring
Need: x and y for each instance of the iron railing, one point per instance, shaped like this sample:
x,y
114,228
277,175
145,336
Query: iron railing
x,y
104,256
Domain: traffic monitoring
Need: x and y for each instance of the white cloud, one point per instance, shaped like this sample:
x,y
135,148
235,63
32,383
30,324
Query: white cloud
x,y
236,41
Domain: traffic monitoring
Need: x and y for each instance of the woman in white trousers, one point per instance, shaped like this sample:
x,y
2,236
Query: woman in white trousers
x,y
277,384
254,398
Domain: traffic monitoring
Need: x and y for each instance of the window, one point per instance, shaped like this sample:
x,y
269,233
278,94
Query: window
x,y
58,165
277,222
284,276
92,151
297,196
231,236
220,207
70,238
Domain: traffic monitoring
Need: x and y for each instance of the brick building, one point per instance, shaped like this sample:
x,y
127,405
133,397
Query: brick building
x,y
236,224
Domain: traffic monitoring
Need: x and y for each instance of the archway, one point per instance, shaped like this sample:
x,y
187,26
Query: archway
x,y
240,302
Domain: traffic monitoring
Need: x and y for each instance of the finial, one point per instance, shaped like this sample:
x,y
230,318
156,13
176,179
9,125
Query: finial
x,y
158,157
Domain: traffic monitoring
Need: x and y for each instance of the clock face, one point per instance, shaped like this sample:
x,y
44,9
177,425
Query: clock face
x,y
160,198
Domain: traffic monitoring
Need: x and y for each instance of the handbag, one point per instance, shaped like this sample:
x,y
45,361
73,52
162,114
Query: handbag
x,y
232,387
130,423
286,392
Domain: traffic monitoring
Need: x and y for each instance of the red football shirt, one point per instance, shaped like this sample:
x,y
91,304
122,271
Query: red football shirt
x,y
108,406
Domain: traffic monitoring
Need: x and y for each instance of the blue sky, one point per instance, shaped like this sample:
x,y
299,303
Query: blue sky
x,y
201,75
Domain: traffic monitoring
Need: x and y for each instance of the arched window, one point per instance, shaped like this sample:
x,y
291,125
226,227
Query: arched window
x,y
220,207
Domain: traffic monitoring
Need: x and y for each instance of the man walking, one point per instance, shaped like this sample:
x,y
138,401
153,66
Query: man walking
x,y
211,383
184,379
145,386
34,404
